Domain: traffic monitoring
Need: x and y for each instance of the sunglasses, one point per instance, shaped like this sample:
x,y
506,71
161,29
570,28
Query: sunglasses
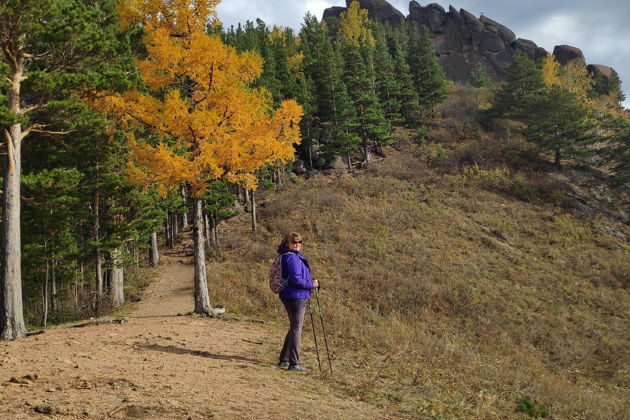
x,y
297,242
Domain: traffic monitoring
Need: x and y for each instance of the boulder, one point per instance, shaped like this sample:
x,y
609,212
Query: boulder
x,y
432,16
379,10
525,46
472,23
335,162
298,167
603,76
601,70
529,48
566,54
506,35
334,11
490,42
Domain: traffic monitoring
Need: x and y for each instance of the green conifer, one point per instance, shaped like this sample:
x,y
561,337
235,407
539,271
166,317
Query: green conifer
x,y
427,74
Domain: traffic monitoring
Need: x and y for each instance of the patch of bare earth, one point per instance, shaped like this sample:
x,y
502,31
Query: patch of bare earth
x,y
161,364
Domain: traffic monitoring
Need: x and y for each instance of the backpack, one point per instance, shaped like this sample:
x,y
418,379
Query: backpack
x,y
276,282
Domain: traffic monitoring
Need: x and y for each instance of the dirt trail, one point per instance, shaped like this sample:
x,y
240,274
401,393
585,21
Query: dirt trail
x,y
162,365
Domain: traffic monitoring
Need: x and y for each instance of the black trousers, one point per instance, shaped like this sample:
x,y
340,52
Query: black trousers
x,y
291,349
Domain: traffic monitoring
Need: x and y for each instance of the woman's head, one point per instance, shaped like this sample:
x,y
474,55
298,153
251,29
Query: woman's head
x,y
292,241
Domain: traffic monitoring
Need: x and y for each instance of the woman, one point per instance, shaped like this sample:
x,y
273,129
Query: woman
x,y
294,295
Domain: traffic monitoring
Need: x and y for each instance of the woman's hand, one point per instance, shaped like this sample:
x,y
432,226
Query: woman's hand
x,y
315,283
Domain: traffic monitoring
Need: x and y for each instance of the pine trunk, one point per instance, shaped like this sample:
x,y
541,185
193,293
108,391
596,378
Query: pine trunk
x,y
167,231
202,298
45,297
206,227
253,205
11,312
117,279
98,261
53,287
310,152
185,214
215,231
154,253
175,225
557,159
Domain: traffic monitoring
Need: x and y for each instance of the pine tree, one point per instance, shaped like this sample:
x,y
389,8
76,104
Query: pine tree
x,y
46,56
479,78
523,84
427,74
357,49
371,125
407,95
618,150
558,122
333,108
387,80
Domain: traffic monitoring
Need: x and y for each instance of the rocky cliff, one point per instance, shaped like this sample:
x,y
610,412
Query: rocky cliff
x,y
464,42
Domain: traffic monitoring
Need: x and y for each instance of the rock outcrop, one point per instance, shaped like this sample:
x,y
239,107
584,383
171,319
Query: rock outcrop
x,y
377,9
566,54
464,42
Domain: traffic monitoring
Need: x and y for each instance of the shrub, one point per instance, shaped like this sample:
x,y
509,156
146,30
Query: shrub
x,y
479,78
421,134
527,406
440,152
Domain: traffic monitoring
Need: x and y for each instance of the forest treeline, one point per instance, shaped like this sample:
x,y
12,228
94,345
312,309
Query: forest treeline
x,y
125,120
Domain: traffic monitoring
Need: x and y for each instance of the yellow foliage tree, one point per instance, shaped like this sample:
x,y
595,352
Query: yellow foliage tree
x,y
209,122
550,70
355,25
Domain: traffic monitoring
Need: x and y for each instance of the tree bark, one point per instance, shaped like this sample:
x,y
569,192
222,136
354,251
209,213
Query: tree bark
x,y
247,200
215,231
168,231
185,214
175,225
253,205
53,286
206,226
154,253
117,279
11,312
97,255
557,159
202,298
45,297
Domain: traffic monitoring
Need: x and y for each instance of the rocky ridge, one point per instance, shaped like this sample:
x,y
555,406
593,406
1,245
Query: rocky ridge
x,y
464,42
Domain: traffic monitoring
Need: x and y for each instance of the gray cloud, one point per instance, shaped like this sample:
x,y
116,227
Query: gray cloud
x,y
599,28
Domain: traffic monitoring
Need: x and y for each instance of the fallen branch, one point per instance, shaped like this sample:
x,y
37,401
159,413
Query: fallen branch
x,y
117,410
101,321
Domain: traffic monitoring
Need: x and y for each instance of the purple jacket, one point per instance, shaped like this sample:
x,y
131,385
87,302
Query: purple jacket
x,y
295,268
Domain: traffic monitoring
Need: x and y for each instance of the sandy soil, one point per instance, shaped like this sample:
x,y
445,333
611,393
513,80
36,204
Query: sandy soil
x,y
162,365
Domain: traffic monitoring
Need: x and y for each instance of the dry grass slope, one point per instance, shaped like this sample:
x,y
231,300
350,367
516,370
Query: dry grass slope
x,y
448,293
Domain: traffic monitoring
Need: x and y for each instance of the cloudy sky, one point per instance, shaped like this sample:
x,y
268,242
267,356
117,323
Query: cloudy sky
x,y
601,29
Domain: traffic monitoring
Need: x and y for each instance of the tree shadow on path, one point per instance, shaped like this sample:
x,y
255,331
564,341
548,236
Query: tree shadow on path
x,y
200,353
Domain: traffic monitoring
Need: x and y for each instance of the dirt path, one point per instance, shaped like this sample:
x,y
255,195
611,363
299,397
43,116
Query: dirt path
x,y
163,366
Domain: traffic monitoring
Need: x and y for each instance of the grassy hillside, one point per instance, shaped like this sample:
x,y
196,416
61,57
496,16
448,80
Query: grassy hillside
x,y
453,290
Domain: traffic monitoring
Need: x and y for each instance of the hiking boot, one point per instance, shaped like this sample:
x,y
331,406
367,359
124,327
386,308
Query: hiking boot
x,y
283,364
298,368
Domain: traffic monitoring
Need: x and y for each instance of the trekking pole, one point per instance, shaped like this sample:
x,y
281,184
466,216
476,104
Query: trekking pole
x,y
310,311
321,317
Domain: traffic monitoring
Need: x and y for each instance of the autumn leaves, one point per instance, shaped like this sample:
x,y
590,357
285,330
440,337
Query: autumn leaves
x,y
205,120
